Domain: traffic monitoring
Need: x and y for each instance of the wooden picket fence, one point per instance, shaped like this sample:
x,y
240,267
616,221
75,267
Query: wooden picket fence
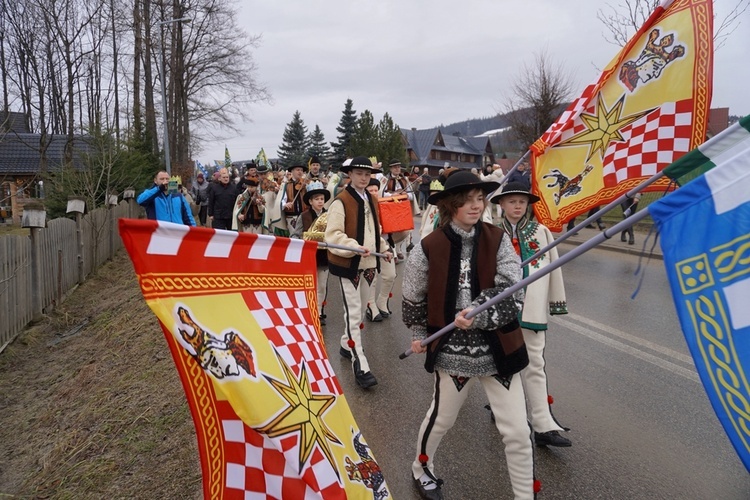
x,y
67,251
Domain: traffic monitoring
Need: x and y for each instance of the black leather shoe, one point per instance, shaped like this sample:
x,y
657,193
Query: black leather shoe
x,y
432,494
631,242
589,226
377,319
346,353
623,237
364,379
411,245
383,313
322,321
551,438
602,227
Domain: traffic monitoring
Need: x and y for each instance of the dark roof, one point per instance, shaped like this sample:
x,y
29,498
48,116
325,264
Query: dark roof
x,y
421,142
19,153
13,121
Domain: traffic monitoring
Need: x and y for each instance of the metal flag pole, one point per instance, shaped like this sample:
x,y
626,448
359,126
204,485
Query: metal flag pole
x,y
322,244
585,247
597,215
515,167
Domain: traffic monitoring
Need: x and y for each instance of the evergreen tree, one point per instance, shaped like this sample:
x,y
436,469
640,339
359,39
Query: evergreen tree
x,y
341,149
391,142
294,146
364,139
319,147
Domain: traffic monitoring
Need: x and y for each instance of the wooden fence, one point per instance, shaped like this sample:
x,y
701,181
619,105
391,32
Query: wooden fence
x,y
58,258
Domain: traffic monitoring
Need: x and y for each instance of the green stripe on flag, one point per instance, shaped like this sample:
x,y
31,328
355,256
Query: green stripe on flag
x,y
700,160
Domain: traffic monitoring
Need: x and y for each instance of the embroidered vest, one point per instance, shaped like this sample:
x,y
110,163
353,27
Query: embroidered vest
x,y
354,227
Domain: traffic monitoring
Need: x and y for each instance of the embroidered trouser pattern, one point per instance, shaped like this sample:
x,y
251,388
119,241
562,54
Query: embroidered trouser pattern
x,y
354,294
386,278
508,406
322,288
535,383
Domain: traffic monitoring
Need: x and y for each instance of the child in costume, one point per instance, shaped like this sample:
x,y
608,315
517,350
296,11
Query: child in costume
x,y
543,296
442,284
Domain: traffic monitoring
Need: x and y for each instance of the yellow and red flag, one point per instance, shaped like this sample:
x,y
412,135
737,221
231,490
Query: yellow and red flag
x,y
647,108
240,316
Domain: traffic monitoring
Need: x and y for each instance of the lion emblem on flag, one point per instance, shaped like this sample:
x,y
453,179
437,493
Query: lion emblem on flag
x,y
366,471
221,357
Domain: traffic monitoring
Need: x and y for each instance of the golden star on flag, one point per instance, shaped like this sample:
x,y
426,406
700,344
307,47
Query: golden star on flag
x,y
604,127
304,414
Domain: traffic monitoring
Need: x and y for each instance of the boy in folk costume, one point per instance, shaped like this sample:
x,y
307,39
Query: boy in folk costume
x,y
249,208
457,267
377,306
353,222
313,227
546,294
292,201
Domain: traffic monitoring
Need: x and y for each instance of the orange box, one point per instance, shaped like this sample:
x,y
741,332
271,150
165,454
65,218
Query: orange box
x,y
395,214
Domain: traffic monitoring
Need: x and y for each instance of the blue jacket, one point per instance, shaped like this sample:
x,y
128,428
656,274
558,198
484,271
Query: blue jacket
x,y
167,207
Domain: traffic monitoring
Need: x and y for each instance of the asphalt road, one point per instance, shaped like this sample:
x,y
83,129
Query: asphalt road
x,y
622,380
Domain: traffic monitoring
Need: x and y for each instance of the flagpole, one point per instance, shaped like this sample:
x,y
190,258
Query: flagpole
x,y
597,215
515,167
585,247
323,244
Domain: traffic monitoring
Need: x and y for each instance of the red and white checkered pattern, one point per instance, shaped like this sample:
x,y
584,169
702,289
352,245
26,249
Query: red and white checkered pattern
x,y
650,144
285,319
568,124
261,468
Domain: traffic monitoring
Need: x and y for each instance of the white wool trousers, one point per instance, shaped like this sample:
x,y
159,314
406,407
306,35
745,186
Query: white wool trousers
x,y
386,278
535,383
509,408
322,290
354,300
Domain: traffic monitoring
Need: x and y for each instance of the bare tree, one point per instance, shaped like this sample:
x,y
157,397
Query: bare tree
x,y
539,92
624,19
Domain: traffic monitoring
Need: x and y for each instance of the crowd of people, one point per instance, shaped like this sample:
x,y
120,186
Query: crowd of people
x,y
501,348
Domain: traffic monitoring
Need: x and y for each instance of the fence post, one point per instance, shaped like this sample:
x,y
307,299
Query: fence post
x,y
111,204
35,217
129,196
77,205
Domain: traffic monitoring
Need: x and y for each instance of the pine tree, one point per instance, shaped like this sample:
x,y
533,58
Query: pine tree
x,y
391,142
341,149
364,139
319,147
294,146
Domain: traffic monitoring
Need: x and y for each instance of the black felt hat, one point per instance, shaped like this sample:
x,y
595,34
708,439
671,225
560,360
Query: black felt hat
x,y
298,165
514,188
394,163
463,180
358,162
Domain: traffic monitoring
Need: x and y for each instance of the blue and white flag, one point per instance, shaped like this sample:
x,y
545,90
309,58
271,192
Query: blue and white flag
x,y
705,236
200,168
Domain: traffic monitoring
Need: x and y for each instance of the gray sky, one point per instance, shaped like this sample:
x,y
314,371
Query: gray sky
x,y
428,62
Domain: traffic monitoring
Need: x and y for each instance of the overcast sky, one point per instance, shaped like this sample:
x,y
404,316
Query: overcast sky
x,y
428,62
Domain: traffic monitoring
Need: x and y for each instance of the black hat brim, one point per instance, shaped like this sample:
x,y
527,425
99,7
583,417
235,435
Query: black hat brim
x,y
309,194
486,186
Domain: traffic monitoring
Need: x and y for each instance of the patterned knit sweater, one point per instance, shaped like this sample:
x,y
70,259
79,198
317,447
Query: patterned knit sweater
x,y
465,353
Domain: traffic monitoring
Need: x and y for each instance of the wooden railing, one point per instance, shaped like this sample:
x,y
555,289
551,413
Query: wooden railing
x,y
58,257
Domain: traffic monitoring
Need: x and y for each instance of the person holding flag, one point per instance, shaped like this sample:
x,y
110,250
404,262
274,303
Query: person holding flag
x,y
442,284
545,295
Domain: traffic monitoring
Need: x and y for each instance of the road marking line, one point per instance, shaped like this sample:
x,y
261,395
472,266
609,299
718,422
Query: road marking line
x,y
650,358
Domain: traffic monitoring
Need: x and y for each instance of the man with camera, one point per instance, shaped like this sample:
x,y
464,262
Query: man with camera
x,y
163,201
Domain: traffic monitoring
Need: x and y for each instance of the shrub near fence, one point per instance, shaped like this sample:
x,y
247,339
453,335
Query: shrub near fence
x,y
60,266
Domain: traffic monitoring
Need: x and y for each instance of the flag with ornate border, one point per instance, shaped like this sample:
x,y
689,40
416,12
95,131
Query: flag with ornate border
x,y
239,314
647,108
705,236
